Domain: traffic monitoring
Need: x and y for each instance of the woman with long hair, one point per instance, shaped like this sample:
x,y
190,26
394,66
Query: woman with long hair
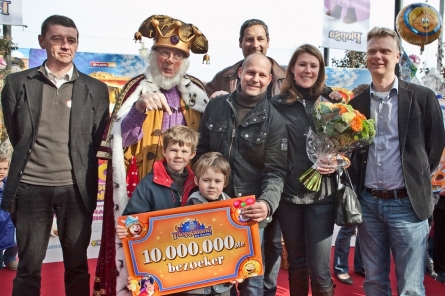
x,y
306,217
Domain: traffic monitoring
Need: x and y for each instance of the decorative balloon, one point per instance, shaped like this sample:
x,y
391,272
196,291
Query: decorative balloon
x,y
419,24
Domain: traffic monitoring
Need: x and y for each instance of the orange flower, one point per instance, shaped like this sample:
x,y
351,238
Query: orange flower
x,y
356,124
359,115
342,108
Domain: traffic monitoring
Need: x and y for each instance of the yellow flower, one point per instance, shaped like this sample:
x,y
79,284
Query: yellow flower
x,y
347,117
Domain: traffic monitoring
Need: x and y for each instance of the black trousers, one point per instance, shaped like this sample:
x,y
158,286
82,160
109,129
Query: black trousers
x,y
307,232
36,206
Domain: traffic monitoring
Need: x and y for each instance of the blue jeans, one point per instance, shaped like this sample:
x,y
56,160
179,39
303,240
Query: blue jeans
x,y
10,255
392,226
251,286
33,218
272,249
341,254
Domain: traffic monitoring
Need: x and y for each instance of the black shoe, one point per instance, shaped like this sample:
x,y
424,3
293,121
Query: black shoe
x,y
347,281
429,270
362,273
441,277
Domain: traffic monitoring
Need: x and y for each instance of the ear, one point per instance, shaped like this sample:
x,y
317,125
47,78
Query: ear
x,y
196,180
41,41
270,78
240,70
193,154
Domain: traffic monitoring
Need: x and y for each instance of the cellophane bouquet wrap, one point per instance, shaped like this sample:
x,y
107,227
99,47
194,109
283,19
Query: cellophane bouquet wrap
x,y
339,130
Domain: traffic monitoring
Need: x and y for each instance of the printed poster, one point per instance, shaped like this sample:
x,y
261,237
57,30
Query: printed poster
x,y
345,24
189,247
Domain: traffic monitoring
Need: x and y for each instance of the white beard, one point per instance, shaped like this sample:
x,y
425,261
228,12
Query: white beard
x,y
159,79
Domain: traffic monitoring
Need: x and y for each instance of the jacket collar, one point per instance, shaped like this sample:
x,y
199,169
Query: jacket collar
x,y
161,177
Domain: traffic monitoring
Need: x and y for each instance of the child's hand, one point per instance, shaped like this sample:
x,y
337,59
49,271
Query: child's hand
x,y
132,284
121,232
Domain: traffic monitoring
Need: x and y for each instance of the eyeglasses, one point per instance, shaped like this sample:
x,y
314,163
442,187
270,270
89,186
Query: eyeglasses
x,y
166,54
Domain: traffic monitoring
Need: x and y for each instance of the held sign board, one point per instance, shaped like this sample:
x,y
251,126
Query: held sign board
x,y
189,247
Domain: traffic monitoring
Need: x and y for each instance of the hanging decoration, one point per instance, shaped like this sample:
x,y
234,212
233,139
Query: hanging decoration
x,y
419,24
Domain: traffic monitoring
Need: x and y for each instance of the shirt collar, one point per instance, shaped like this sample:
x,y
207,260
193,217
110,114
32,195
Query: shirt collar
x,y
394,88
53,77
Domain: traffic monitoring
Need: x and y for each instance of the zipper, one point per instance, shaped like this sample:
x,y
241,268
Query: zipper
x,y
233,137
185,189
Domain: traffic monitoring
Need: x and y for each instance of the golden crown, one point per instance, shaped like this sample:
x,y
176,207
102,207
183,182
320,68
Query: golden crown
x,y
172,33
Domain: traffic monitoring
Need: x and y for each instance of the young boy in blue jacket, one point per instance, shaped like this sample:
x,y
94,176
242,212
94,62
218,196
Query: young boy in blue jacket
x,y
170,182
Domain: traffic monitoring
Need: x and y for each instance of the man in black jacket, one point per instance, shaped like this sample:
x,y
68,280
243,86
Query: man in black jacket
x,y
249,132
394,172
55,117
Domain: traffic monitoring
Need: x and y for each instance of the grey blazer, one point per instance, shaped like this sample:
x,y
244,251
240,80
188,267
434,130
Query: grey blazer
x,y
421,142
22,101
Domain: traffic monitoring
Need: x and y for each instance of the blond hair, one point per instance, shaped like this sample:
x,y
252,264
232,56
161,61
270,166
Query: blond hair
x,y
379,32
181,135
215,161
4,158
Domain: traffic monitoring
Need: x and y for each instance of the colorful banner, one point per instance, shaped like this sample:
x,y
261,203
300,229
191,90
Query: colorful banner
x,y
345,24
11,13
190,247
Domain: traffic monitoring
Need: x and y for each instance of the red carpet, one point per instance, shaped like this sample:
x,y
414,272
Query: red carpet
x,y
52,282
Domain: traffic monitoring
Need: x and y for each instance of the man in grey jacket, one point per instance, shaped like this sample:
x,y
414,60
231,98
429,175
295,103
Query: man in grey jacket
x,y
55,117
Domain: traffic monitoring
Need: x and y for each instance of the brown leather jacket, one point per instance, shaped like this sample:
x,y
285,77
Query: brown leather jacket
x,y
227,79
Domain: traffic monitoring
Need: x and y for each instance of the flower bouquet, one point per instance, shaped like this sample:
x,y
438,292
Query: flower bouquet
x,y
339,129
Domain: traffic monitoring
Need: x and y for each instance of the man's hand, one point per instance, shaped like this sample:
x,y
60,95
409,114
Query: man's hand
x,y
121,231
218,93
336,96
152,101
256,212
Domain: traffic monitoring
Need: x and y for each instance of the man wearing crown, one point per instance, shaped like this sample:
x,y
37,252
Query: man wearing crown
x,y
150,103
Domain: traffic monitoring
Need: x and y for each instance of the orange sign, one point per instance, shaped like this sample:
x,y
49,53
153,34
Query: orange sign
x,y
190,247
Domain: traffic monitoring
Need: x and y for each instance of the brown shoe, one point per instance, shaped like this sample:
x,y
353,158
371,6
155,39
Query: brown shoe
x,y
12,265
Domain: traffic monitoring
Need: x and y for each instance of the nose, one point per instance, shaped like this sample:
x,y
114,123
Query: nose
x,y
65,43
170,59
256,77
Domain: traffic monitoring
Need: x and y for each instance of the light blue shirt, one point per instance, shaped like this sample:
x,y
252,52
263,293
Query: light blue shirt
x,y
384,167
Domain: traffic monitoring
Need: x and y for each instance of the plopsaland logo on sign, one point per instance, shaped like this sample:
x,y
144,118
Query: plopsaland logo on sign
x,y
346,36
191,228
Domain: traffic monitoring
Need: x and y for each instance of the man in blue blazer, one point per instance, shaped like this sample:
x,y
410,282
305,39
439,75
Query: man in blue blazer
x,y
55,117
394,172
